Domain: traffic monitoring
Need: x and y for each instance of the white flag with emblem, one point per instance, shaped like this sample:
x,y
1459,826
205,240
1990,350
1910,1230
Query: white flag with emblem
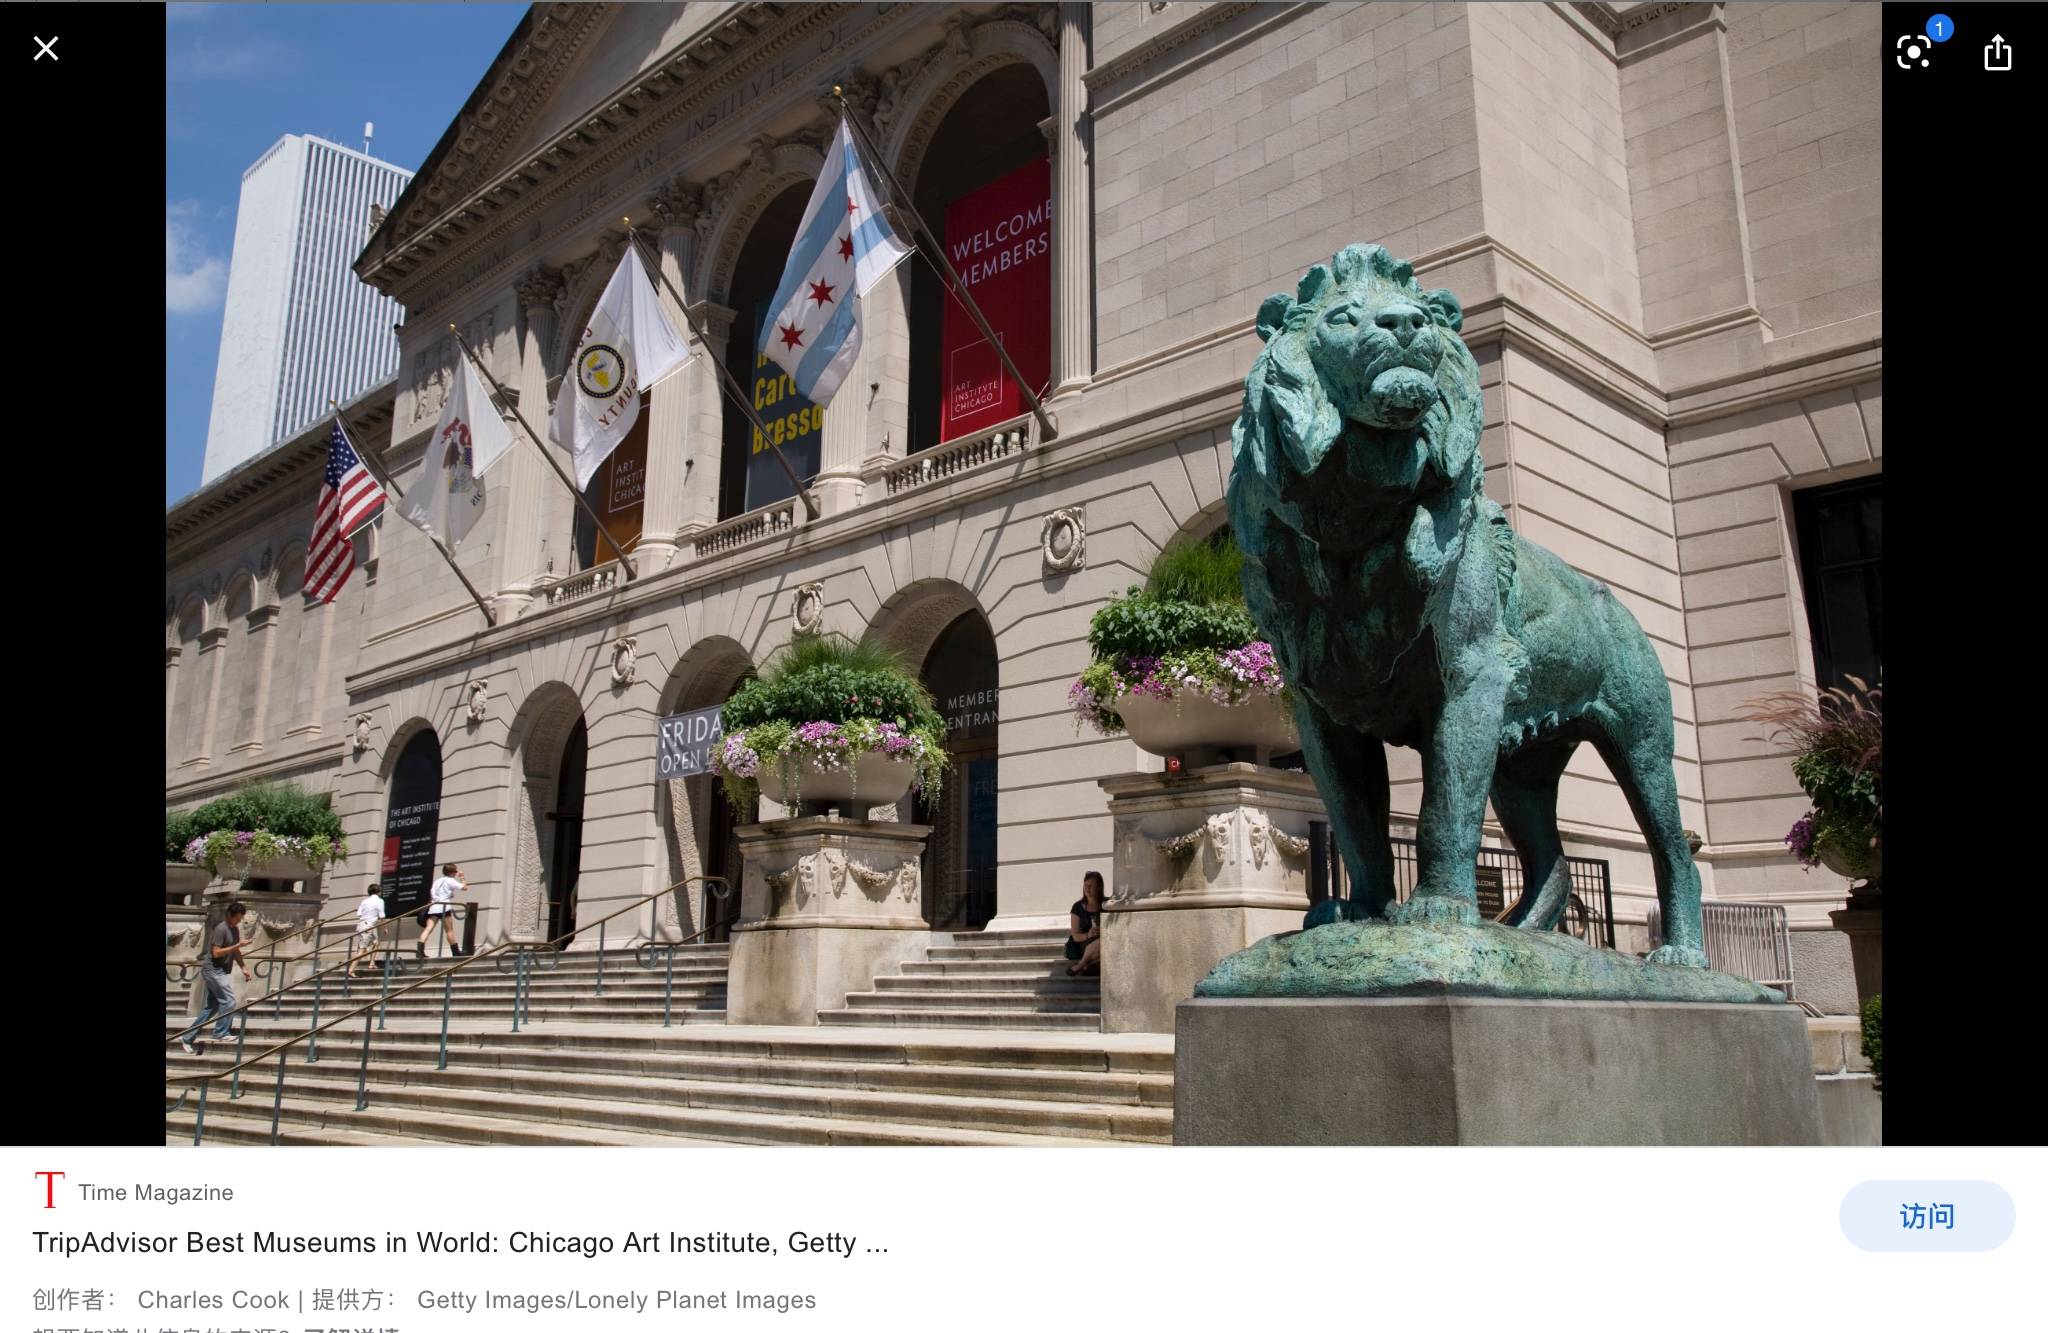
x,y
447,497
628,346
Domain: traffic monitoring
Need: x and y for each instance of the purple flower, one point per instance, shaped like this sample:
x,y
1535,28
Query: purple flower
x,y
1800,840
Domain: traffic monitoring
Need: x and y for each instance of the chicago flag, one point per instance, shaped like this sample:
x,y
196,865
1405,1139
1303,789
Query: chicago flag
x,y
447,497
628,346
844,246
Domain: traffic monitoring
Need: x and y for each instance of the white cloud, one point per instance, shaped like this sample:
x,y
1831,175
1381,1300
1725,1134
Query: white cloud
x,y
193,279
182,13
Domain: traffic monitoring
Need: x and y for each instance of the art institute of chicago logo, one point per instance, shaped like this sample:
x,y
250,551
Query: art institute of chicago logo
x,y
600,370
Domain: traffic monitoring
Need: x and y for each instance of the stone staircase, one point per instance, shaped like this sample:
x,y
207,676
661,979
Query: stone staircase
x,y
1014,979
591,1069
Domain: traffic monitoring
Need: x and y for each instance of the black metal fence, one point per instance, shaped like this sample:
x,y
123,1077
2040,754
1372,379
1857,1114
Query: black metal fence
x,y
1589,910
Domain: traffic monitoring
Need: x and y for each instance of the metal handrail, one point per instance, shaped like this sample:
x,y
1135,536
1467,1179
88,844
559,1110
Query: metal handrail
x,y
204,1079
276,997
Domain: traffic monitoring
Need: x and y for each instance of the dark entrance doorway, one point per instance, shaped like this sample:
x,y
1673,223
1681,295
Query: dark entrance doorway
x,y
411,820
1841,559
960,860
566,856
722,858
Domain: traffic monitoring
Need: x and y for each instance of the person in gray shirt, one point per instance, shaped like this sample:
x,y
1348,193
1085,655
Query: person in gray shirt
x,y
223,953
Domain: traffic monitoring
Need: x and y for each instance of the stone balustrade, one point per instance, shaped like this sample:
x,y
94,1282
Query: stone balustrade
x,y
1004,440
756,525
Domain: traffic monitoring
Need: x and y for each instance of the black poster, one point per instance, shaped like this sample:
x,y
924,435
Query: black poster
x,y
410,826
794,423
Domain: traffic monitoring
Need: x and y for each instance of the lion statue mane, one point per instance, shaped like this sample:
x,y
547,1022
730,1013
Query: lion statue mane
x,y
1404,610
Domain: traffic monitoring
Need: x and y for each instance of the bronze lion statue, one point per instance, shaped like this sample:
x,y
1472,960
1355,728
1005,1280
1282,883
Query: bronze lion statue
x,y
1405,611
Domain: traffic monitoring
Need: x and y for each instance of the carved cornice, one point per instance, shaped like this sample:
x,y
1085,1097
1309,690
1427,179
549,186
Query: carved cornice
x,y
1202,19
1615,21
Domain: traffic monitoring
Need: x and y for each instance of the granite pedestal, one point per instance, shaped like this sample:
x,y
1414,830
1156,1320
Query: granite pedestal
x,y
1207,862
826,905
1449,1069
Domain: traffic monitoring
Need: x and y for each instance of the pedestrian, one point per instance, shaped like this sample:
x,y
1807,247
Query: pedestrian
x,y
369,925
223,953
1084,928
441,910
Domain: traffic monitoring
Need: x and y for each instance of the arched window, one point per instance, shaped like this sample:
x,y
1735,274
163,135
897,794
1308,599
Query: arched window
x,y
295,650
189,694
984,188
748,477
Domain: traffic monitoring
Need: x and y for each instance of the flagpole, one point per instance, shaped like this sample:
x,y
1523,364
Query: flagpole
x,y
945,266
384,480
520,417
732,385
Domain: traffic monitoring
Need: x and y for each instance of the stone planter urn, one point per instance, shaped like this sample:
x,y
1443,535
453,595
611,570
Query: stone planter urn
x,y
1861,918
1854,863
1196,727
265,867
183,882
872,779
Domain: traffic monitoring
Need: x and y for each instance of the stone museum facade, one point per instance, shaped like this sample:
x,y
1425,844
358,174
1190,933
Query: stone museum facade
x,y
1662,221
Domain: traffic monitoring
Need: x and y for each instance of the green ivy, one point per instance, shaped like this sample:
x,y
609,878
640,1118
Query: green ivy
x,y
1873,1039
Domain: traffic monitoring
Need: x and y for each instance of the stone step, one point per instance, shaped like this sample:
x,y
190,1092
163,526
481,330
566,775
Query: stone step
x,y
1036,983
1024,1001
635,990
1055,966
1035,953
1048,934
519,1118
961,1018
615,1101
509,1070
910,1049
495,1015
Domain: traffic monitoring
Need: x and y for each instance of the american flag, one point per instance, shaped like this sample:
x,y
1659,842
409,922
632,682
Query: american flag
x,y
349,498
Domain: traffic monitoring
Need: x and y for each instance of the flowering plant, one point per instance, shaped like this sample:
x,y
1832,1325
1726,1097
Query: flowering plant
x,y
230,848
1186,630
1836,741
822,704
258,822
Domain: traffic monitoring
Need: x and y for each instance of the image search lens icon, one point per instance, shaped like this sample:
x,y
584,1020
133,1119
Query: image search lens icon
x,y
1912,50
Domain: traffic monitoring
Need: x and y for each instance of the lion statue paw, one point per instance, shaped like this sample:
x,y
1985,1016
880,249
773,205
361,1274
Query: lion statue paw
x,y
1434,909
1676,955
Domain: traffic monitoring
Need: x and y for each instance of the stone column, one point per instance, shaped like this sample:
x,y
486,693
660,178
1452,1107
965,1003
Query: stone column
x,y
260,622
171,656
1073,275
211,642
1207,863
885,360
826,905
524,473
673,464
706,430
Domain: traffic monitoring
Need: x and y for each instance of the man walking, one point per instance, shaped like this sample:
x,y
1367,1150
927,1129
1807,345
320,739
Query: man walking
x,y
441,910
369,923
223,952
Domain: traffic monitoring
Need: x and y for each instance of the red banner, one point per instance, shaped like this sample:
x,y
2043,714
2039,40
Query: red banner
x,y
1000,241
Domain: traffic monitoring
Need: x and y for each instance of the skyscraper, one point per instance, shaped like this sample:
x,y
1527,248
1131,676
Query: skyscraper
x,y
300,327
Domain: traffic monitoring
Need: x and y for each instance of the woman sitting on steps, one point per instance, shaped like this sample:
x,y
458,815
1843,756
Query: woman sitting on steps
x,y
1084,929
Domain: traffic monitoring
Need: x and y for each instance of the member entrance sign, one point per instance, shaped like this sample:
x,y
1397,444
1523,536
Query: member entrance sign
x,y
684,743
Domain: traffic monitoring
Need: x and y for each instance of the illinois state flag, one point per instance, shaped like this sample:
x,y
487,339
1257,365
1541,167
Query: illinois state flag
x,y
447,497
627,347
844,246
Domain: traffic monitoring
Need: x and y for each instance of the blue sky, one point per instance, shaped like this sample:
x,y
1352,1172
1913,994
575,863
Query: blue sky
x,y
238,76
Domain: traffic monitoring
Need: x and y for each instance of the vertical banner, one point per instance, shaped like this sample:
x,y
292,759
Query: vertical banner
x,y
794,422
1000,240
411,823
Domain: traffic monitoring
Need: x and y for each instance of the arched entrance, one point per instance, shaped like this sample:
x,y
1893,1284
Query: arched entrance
x,y
412,821
547,814
566,858
698,824
960,860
